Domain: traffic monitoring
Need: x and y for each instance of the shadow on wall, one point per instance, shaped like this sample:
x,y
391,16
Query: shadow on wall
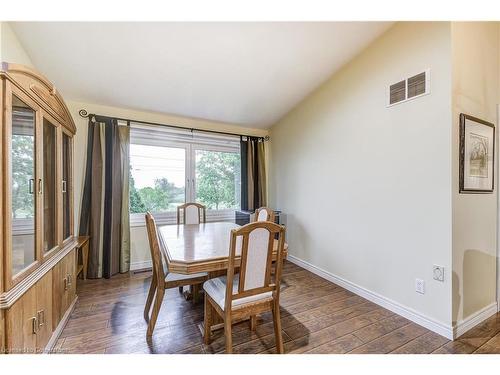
x,y
297,236
478,284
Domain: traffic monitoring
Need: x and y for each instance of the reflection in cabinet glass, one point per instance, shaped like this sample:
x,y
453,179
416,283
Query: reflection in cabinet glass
x,y
66,185
23,185
49,186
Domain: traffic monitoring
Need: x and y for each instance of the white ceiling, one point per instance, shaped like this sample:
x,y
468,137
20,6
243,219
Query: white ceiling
x,y
250,74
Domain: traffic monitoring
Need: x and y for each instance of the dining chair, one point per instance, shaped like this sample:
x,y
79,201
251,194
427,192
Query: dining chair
x,y
192,213
264,214
162,279
254,290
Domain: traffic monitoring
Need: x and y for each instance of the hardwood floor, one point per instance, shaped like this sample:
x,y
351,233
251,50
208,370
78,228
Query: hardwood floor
x,y
317,317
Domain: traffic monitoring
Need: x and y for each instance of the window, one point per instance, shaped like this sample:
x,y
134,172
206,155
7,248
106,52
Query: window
x,y
169,167
157,176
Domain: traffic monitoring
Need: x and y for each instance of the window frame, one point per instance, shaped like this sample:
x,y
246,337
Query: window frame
x,y
190,147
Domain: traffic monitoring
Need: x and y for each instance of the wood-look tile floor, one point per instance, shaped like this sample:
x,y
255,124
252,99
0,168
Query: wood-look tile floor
x,y
317,317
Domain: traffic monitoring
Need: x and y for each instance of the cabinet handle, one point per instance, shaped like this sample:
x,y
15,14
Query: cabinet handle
x,y
66,283
41,318
39,186
64,186
34,325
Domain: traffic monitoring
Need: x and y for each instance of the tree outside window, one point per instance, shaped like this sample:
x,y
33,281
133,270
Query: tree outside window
x,y
218,179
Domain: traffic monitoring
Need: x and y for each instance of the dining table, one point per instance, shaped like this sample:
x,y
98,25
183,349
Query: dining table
x,y
195,248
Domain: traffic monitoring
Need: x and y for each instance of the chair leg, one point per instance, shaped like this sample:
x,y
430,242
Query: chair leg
x,y
228,333
156,310
253,322
207,334
277,327
149,300
181,289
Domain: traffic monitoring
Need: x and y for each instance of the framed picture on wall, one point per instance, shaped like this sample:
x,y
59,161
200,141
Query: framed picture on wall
x,y
477,149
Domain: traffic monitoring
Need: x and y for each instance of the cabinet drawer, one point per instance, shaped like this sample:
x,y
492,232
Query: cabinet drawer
x,y
20,324
44,310
29,320
63,287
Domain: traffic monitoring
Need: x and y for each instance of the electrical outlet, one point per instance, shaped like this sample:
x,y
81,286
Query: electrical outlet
x,y
420,286
438,273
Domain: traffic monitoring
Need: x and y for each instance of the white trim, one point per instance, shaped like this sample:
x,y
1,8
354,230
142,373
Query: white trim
x,y
60,327
141,265
473,320
404,311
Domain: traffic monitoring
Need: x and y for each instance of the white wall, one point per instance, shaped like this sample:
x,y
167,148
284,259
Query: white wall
x,y
11,49
138,237
367,189
475,54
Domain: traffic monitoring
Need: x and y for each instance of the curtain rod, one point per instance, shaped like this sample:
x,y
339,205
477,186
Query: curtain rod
x,y
83,113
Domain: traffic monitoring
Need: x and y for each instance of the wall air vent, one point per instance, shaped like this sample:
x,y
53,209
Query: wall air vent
x,y
409,88
398,92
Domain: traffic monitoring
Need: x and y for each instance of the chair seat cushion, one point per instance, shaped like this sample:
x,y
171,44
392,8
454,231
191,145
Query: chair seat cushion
x,y
216,289
177,276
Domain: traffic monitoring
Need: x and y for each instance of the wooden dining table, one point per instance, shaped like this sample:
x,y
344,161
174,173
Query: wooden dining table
x,y
194,248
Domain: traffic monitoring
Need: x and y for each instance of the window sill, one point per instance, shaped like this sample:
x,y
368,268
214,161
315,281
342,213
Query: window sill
x,y
170,218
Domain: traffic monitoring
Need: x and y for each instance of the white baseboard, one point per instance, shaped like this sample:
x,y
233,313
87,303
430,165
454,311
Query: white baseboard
x,y
473,320
447,331
404,311
140,265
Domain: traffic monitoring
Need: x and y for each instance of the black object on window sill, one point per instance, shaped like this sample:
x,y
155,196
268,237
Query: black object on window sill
x,y
242,217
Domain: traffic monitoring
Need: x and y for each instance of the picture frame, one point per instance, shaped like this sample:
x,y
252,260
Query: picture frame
x,y
477,155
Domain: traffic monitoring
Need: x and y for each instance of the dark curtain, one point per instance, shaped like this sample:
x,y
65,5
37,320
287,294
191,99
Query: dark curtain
x,y
104,212
253,173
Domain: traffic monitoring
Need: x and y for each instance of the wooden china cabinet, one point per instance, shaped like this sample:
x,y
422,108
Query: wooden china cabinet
x,y
38,260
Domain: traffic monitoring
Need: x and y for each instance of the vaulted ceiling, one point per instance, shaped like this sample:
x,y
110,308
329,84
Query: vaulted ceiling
x,y
249,74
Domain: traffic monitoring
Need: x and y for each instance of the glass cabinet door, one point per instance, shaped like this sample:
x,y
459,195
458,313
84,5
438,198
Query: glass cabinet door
x,y
49,239
66,185
23,186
